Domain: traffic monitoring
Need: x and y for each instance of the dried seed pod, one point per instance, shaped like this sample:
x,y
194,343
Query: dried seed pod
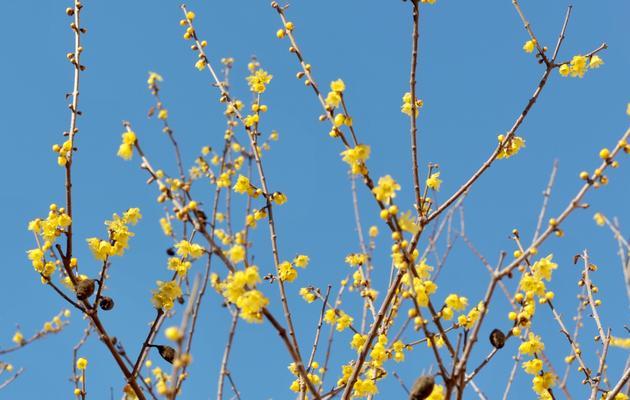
x,y
167,352
106,303
422,387
85,289
497,338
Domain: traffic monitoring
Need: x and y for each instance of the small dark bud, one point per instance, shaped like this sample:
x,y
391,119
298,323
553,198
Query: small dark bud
x,y
170,251
106,303
422,387
497,338
85,289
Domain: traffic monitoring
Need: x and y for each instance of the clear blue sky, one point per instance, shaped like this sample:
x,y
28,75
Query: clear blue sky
x,y
473,77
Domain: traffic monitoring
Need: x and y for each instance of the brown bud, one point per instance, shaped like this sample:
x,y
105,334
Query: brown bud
x,y
70,11
497,338
170,251
422,387
167,352
106,303
85,289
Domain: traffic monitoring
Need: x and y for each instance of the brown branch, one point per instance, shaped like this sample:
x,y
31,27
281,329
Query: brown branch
x,y
226,355
414,107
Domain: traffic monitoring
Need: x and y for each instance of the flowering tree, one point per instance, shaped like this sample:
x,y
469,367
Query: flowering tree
x,y
382,321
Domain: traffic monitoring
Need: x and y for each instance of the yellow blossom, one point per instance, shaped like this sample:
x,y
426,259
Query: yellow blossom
x,y
258,80
307,295
301,261
236,253
356,157
595,62
386,189
286,272
599,218
532,345
434,181
456,302
529,46
82,363
533,366
173,333
512,147
186,249
165,294
337,86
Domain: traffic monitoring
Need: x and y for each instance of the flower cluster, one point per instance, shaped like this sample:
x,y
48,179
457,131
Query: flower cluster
x,y
356,157
165,294
579,64
513,146
125,151
407,106
240,288
119,235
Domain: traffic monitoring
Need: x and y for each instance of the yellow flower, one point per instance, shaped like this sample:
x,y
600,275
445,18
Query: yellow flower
x,y
406,107
333,99
456,302
355,259
541,383
595,62
279,198
407,223
373,232
167,228
201,64
251,304
101,249
599,218
364,388
544,267
343,321
286,272
82,363
578,66
624,343
165,294
532,345
236,253
564,70
529,46
185,249
434,181
307,295
533,366
512,147
173,333
438,390
18,338
163,114
132,216
386,189
243,185
337,86
301,261
358,341
179,265
356,158
258,80
125,151
153,78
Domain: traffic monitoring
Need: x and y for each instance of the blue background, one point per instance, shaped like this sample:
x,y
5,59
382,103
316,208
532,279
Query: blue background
x,y
474,79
